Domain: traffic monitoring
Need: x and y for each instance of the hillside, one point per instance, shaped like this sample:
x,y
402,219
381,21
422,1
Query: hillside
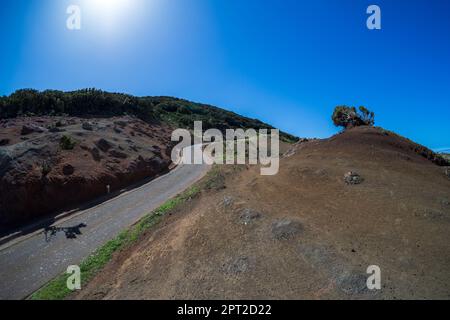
x,y
176,112
61,149
51,164
302,234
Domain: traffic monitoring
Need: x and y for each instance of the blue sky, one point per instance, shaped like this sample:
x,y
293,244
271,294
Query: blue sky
x,y
285,62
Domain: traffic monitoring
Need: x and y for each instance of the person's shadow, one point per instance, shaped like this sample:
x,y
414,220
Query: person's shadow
x,y
70,232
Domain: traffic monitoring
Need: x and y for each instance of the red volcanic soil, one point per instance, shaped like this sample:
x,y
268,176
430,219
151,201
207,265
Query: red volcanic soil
x,y
39,176
302,234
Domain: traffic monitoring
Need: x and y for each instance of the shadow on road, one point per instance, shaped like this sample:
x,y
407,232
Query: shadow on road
x,y
70,232
51,218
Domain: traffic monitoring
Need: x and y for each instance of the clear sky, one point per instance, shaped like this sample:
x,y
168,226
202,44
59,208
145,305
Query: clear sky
x,y
287,62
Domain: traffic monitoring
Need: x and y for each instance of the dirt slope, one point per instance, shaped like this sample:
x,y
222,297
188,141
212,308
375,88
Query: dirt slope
x,y
302,234
38,175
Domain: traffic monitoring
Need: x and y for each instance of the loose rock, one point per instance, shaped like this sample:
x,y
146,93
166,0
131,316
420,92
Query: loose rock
x,y
118,154
228,201
353,178
104,145
87,126
96,154
30,128
248,215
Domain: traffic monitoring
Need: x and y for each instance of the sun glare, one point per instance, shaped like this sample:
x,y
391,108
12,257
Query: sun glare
x,y
111,15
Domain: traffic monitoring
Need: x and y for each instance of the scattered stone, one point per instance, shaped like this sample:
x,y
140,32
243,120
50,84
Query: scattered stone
x,y
228,201
55,129
120,123
286,229
118,154
353,178
87,126
4,142
31,128
104,145
68,170
248,215
445,203
96,154
117,130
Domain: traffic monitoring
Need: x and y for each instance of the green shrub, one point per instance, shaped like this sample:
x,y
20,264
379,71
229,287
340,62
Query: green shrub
x,y
67,143
349,117
46,168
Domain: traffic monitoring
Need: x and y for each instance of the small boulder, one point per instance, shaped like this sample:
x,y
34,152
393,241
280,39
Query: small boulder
x,y
353,178
55,129
96,154
104,145
31,128
4,142
60,123
87,126
68,170
121,123
118,154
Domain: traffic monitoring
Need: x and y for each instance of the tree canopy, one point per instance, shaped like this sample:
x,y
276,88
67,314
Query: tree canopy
x,y
92,102
348,117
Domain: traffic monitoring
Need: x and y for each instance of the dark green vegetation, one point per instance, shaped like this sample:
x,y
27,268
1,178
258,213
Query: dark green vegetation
x,y
57,288
92,102
437,158
67,143
446,156
349,117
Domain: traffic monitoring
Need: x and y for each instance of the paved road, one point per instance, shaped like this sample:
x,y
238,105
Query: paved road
x,y
30,263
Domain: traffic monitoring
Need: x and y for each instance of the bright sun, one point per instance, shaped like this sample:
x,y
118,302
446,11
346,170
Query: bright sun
x,y
108,7
111,15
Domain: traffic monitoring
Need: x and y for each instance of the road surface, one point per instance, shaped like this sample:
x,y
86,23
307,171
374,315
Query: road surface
x,y
29,263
